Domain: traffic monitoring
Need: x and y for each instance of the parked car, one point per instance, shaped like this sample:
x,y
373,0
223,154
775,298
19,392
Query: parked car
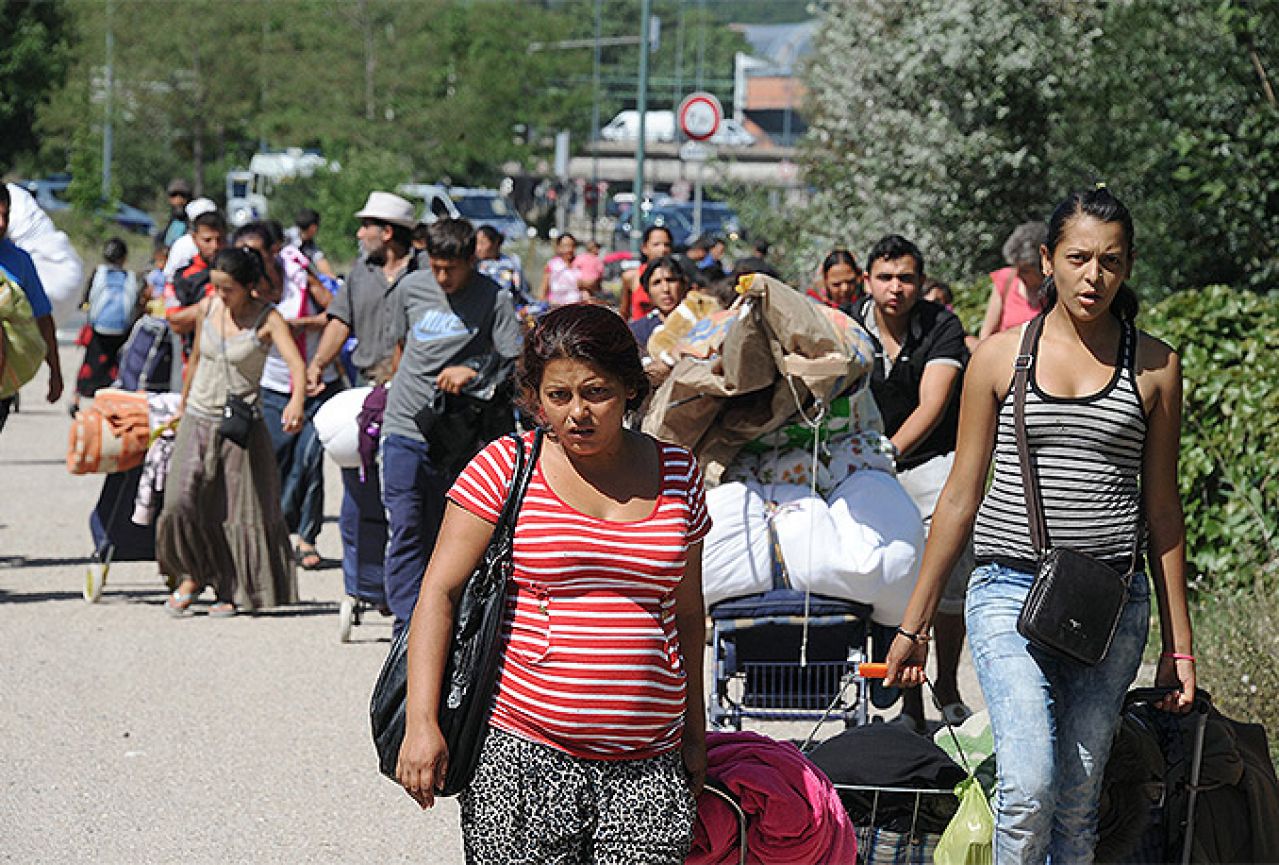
x,y
436,202
732,134
670,216
480,206
51,195
489,207
718,220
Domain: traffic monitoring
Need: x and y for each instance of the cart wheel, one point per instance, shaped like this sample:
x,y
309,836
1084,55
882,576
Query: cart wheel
x,y
346,618
95,577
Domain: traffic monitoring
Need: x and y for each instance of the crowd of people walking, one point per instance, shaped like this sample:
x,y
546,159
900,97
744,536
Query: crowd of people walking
x,y
597,747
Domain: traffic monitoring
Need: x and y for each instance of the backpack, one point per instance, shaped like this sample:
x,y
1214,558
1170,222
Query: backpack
x,y
113,295
151,358
22,348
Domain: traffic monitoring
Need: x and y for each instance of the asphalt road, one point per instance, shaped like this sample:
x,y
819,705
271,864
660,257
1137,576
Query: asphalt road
x,y
127,736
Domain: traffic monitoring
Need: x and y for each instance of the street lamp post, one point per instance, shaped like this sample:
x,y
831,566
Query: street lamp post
x,y
595,126
641,105
108,133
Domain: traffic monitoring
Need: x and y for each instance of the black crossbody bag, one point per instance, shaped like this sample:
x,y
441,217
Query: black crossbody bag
x,y
238,414
1076,601
471,667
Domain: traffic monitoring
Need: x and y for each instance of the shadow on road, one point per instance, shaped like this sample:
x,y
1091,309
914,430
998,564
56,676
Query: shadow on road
x,y
299,610
8,597
19,562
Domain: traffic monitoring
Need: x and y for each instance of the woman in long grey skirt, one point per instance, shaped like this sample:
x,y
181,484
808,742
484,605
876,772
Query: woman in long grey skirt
x,y
221,525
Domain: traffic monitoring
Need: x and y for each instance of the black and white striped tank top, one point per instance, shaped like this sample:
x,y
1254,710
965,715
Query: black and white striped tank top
x,y
1088,453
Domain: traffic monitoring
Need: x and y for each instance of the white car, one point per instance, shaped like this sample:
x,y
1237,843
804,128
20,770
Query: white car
x,y
732,134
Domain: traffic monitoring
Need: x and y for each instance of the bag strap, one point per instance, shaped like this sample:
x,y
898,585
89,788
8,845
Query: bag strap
x,y
523,475
1022,365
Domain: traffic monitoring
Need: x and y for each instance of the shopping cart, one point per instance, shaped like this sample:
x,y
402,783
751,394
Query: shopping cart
x,y
786,656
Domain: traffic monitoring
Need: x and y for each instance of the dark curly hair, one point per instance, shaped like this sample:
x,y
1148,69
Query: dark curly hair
x,y
587,333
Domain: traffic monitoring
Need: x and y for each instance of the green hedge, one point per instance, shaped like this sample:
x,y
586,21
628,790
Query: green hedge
x,y
1228,340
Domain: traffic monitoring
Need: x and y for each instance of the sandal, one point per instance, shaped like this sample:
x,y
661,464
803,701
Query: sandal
x,y
308,558
178,604
222,610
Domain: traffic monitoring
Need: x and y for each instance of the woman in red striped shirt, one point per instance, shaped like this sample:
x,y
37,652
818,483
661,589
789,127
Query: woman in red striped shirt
x,y
596,747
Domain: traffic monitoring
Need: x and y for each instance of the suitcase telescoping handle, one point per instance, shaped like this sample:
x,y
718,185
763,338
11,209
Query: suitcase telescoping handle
x,y
1203,702
1202,706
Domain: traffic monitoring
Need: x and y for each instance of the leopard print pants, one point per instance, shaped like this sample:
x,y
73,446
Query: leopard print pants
x,y
530,803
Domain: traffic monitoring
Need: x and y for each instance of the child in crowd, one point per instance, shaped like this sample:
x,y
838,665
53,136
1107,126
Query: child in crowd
x,y
113,298
155,278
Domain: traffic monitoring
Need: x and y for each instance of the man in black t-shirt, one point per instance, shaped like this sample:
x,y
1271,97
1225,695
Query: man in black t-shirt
x,y
919,366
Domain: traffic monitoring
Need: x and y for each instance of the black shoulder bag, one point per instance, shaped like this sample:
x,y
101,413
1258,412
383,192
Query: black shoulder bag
x,y
1076,601
238,414
470,671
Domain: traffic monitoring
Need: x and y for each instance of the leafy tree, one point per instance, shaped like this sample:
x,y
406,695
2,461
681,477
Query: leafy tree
x,y
1174,106
437,83
931,119
37,47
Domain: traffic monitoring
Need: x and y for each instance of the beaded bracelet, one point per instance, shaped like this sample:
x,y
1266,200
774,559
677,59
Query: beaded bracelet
x,y
1180,656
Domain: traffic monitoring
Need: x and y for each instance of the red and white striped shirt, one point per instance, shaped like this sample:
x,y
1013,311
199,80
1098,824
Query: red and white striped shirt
x,y
591,661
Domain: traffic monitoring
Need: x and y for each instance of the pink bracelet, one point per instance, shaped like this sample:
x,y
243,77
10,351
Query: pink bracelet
x,y
1179,656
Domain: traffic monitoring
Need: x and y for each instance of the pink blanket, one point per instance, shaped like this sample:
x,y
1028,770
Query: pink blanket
x,y
793,813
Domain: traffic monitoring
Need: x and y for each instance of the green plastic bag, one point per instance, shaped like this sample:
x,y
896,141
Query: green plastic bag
x,y
968,839
22,348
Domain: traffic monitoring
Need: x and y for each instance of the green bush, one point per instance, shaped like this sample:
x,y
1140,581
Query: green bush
x,y
1228,340
971,297
1237,646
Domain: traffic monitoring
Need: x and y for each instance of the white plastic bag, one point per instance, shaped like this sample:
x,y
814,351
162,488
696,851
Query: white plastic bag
x,y
335,423
737,558
810,545
864,543
881,538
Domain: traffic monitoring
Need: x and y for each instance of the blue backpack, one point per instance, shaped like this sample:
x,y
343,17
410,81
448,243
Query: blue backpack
x,y
151,359
113,296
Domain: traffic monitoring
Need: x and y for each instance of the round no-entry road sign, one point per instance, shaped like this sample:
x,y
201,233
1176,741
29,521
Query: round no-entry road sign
x,y
699,115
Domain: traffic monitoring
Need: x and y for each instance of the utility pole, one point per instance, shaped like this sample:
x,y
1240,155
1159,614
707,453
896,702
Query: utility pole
x,y
108,143
595,126
701,43
641,105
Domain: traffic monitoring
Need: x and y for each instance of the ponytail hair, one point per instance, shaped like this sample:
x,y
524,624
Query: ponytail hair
x,y
1101,204
244,264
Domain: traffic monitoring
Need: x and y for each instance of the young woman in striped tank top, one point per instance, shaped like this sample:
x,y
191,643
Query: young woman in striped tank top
x,y
1103,415
597,742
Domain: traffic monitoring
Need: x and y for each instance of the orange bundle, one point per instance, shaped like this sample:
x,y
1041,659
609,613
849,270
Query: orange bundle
x,y
111,435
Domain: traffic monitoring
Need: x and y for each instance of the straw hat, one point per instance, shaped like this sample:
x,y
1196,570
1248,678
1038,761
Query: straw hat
x,y
387,207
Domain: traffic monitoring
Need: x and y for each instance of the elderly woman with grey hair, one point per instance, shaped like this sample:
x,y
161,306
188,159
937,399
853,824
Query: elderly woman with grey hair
x,y
1014,295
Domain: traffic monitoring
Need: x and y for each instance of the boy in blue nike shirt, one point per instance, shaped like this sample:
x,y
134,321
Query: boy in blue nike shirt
x,y
459,335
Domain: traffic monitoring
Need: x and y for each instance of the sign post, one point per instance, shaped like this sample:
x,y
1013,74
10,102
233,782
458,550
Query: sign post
x,y
699,118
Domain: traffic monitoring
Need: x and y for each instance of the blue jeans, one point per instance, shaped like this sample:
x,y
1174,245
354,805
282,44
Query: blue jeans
x,y
413,491
300,459
1053,720
362,522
